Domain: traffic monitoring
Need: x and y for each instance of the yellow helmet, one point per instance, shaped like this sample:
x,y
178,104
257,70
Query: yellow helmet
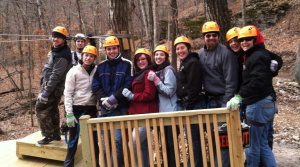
x,y
61,30
210,26
90,49
142,51
182,39
162,48
247,31
232,33
111,41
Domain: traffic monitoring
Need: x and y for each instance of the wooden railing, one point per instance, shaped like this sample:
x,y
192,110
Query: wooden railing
x,y
153,122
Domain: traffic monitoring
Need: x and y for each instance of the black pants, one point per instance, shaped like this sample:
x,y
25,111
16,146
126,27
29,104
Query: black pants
x,y
74,134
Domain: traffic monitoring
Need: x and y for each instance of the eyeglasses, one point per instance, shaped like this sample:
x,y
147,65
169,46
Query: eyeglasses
x,y
214,35
141,59
246,39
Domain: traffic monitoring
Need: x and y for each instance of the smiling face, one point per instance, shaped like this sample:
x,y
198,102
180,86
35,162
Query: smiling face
x,y
246,43
234,45
88,59
182,51
56,41
112,51
211,40
142,62
159,57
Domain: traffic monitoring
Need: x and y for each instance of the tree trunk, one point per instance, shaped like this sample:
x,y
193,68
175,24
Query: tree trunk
x,y
172,32
80,21
156,29
42,24
118,15
243,4
217,10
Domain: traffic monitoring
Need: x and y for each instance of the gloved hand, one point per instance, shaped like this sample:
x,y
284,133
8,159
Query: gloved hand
x,y
234,103
128,94
110,102
71,120
274,65
153,77
43,97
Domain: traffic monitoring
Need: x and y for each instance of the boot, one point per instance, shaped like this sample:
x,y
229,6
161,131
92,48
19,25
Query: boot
x,y
45,141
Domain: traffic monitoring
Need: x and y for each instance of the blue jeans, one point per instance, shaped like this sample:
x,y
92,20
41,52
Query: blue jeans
x,y
117,133
144,146
217,103
195,134
260,115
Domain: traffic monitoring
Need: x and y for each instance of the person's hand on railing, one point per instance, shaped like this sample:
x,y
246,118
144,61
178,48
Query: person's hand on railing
x,y
128,94
234,103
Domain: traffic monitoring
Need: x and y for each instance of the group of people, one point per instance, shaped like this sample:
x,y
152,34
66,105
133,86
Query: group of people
x,y
235,76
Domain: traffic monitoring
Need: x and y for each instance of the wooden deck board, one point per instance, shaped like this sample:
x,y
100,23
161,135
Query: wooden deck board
x,y
40,156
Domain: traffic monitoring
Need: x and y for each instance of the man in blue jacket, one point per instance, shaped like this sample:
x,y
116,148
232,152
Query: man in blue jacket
x,y
112,76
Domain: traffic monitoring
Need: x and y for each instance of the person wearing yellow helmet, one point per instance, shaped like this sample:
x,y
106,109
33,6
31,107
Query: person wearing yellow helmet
x,y
164,78
189,88
220,73
112,76
143,98
79,100
257,93
52,83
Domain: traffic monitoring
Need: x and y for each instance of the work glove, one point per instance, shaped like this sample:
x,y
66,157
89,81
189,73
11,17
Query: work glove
x,y
71,120
43,97
234,103
110,102
153,77
274,65
128,94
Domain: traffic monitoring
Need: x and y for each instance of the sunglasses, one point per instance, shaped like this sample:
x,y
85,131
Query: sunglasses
x,y
214,35
245,39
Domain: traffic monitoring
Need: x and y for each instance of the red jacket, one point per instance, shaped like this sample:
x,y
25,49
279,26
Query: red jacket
x,y
145,98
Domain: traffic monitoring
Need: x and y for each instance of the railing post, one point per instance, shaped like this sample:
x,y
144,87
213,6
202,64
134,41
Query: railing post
x,y
85,142
236,137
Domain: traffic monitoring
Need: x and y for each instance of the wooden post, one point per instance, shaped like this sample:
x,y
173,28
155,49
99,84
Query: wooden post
x,y
236,137
84,136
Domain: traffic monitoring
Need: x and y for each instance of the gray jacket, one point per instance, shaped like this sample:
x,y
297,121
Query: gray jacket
x,y
167,89
55,70
220,71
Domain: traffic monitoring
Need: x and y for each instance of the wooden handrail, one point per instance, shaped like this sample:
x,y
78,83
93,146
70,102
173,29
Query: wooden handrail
x,y
156,122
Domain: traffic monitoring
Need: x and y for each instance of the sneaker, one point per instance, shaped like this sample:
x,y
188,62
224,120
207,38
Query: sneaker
x,y
57,138
45,141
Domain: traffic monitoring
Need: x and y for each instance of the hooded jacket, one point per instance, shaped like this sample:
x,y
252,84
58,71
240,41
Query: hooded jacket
x,y
55,70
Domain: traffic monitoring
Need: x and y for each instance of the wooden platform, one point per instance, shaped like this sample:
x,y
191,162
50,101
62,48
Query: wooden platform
x,y
56,150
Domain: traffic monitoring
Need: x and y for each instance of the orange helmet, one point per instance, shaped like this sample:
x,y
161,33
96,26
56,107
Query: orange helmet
x,y
111,41
90,49
182,39
61,30
210,26
162,48
247,31
142,51
232,33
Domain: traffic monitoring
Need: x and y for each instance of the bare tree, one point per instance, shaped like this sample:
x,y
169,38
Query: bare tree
x,y
217,10
80,21
41,18
156,29
118,15
243,3
172,28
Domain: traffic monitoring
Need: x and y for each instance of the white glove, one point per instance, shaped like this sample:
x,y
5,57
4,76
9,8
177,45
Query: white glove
x,y
127,93
71,120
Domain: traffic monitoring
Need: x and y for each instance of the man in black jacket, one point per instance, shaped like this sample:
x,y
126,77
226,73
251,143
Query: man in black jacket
x,y
52,83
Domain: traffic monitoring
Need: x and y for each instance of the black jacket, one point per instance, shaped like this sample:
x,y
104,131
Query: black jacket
x,y
257,76
189,81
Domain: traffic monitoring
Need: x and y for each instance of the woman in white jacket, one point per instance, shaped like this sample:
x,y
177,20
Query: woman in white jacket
x,y
79,99
164,79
